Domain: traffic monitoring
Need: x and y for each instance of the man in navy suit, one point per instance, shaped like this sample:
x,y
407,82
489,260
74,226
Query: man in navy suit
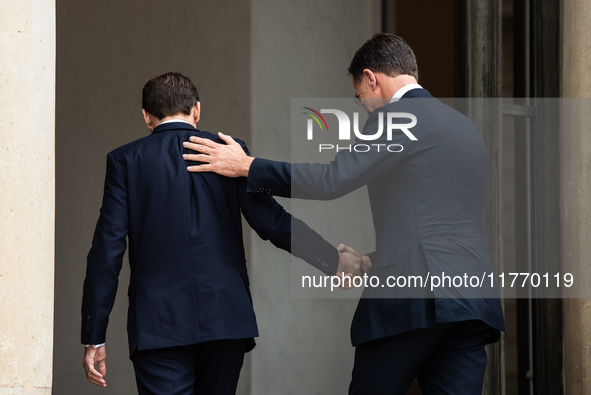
x,y
427,203
190,317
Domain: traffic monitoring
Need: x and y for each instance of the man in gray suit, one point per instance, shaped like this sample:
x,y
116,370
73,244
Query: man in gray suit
x,y
427,204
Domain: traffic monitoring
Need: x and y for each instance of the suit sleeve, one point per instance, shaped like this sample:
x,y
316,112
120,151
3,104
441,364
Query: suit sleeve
x,y
105,257
346,173
271,222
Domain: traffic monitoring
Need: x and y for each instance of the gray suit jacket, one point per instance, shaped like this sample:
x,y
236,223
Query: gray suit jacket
x,y
427,204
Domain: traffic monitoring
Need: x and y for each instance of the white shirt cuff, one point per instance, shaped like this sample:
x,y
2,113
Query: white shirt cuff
x,y
95,345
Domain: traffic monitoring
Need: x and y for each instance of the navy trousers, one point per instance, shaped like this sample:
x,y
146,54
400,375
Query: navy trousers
x,y
210,368
447,359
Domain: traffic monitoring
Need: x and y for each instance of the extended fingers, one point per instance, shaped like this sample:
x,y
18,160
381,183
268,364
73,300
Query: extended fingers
x,y
227,139
202,141
200,169
197,158
202,148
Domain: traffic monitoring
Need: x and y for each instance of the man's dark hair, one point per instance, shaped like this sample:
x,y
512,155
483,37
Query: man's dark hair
x,y
169,94
384,53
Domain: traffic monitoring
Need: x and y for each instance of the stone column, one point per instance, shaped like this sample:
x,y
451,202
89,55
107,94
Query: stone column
x,y
27,103
576,189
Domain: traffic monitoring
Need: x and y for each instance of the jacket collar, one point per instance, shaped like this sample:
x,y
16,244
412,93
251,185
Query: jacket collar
x,y
419,92
164,127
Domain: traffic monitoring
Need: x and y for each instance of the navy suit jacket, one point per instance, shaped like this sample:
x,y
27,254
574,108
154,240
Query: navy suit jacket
x,y
189,281
427,205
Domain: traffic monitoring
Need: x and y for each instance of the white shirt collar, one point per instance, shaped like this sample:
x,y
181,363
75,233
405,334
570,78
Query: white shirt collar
x,y
174,120
400,92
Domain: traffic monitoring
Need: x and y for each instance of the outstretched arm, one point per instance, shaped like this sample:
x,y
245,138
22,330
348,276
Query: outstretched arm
x,y
348,171
230,160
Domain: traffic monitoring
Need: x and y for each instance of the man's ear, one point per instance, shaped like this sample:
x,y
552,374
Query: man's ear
x,y
196,112
148,120
372,78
